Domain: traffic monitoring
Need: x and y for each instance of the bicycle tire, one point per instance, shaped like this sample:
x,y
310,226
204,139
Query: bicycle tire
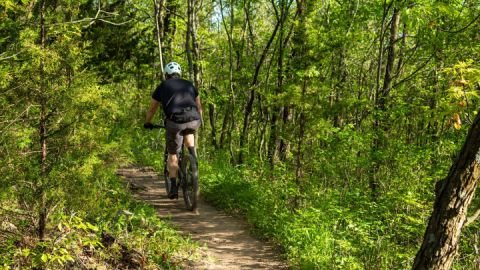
x,y
165,173
190,182
167,181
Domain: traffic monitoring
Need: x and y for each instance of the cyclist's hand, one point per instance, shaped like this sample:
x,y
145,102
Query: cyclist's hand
x,y
148,126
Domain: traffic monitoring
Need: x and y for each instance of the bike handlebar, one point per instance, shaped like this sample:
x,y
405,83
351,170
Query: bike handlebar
x,y
158,126
152,126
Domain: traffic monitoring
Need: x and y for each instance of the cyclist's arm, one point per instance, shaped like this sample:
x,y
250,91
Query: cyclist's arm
x,y
151,111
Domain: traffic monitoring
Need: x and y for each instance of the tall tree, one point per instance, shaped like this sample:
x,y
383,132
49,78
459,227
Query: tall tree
x,y
453,196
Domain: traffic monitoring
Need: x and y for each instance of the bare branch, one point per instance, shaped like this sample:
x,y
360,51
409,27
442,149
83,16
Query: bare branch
x,y
461,29
8,57
113,23
472,218
411,76
19,116
96,18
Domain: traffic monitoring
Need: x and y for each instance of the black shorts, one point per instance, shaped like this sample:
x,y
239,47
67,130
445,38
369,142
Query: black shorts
x,y
175,133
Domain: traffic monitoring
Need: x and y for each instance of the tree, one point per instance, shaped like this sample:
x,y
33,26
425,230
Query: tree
x,y
453,196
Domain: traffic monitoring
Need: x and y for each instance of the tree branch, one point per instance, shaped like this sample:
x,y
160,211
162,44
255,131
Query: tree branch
x,y
409,77
461,29
8,57
472,218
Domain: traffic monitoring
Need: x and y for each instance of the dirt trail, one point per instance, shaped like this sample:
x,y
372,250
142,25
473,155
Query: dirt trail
x,y
230,246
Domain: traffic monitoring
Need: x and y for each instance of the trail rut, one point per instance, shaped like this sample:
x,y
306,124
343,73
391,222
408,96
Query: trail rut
x,y
230,246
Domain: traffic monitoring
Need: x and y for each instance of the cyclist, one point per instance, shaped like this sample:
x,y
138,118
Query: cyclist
x,y
183,113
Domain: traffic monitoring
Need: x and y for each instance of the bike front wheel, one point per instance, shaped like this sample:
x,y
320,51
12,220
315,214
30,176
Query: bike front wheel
x,y
190,187
165,172
167,181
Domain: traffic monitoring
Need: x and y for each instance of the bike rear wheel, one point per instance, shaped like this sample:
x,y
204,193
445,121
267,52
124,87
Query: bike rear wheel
x,y
190,182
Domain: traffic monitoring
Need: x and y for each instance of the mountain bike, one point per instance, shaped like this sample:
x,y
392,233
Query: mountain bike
x,y
187,176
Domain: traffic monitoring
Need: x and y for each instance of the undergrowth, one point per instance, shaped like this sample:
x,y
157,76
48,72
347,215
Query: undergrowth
x,y
98,225
119,234
326,227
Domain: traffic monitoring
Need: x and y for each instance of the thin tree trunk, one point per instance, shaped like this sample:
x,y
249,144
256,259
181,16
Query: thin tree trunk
x,y
169,27
285,144
212,119
229,111
299,53
196,49
211,113
272,141
280,77
42,214
249,105
158,19
387,81
380,100
453,196
188,43
299,154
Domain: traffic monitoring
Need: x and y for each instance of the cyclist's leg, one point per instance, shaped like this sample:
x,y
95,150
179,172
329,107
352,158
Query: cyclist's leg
x,y
172,165
189,140
189,136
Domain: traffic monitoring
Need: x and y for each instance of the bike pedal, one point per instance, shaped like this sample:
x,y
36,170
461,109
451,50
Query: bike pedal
x,y
173,196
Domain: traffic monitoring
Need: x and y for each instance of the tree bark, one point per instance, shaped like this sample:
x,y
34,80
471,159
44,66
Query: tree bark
x,y
188,43
299,53
282,43
158,19
212,119
284,147
169,27
196,49
211,113
453,196
229,111
42,211
380,100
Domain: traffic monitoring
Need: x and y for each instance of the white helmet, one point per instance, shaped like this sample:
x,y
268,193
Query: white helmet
x,y
172,67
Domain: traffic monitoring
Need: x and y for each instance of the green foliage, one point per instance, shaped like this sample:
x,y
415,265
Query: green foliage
x,y
75,241
336,227
333,179
66,123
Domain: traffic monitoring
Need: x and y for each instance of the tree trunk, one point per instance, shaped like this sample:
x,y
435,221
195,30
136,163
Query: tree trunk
x,y
42,211
453,196
282,43
225,124
387,81
272,141
380,101
284,148
188,43
299,53
212,119
196,49
211,113
169,27
158,19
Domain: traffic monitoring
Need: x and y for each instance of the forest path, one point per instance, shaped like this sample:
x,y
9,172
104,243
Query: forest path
x,y
230,246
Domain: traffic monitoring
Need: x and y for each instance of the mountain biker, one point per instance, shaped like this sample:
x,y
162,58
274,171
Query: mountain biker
x,y
183,113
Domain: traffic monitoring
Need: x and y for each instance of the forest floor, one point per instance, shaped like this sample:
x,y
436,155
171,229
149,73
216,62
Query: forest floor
x,y
226,239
